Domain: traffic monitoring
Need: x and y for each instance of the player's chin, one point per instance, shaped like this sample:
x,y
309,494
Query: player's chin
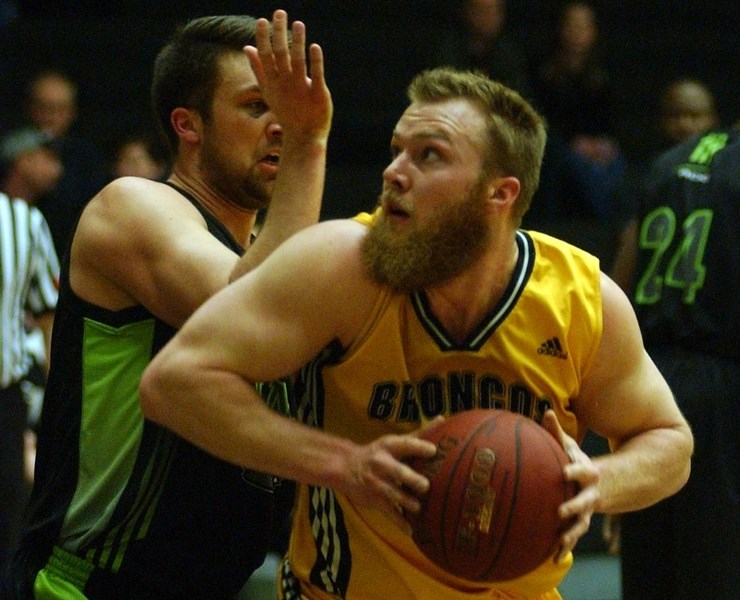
x,y
259,193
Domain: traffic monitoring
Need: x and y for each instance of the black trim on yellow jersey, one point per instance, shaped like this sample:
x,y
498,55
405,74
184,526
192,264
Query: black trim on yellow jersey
x,y
522,273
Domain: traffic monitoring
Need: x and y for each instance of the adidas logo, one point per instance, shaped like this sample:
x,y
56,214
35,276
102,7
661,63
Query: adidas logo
x,y
552,347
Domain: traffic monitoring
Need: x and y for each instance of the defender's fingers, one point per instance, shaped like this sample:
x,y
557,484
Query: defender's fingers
x,y
298,48
264,45
316,56
280,47
256,62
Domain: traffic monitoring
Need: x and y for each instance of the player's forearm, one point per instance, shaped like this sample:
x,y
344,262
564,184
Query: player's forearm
x,y
645,469
223,415
289,449
295,203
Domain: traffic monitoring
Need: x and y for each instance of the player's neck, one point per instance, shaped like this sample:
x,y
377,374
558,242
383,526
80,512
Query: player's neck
x,y
238,220
463,302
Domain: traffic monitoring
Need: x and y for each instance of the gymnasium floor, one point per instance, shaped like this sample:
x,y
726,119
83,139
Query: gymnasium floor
x,y
593,577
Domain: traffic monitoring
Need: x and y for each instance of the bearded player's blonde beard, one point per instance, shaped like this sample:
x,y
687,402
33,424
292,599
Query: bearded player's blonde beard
x,y
430,254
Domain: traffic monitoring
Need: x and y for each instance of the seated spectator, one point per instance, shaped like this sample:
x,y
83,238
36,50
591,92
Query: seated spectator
x,y
687,108
51,107
480,41
573,89
139,155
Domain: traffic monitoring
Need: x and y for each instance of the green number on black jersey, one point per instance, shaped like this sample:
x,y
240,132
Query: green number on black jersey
x,y
684,268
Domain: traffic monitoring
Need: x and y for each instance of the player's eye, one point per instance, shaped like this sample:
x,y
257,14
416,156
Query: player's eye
x,y
429,153
256,108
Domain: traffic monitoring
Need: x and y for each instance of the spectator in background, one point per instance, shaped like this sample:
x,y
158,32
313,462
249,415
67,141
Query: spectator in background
x,y
572,83
51,107
30,165
573,89
685,296
139,155
480,41
687,108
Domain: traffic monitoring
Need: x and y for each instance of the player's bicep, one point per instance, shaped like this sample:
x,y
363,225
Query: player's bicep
x,y
181,272
138,244
270,322
624,391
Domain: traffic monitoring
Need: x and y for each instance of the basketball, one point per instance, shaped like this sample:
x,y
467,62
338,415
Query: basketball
x,y
496,484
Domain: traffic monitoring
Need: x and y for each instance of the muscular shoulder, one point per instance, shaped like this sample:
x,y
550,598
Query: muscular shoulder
x,y
333,245
322,266
563,255
131,213
133,239
137,198
620,349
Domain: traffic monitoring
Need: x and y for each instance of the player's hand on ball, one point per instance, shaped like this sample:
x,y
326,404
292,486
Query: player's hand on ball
x,y
379,479
496,484
584,473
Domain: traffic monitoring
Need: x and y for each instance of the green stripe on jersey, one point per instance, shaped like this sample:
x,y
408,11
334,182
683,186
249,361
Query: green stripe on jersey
x,y
111,423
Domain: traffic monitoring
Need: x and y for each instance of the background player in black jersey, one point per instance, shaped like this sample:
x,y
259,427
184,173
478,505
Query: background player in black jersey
x,y
121,507
684,289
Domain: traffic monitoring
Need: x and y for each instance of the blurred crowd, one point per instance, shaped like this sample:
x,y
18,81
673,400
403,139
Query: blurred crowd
x,y
566,70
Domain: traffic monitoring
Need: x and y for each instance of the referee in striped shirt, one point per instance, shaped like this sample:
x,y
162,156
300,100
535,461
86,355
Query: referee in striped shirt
x,y
29,275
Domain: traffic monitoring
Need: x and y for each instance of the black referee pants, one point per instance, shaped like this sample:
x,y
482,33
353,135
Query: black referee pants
x,y
13,487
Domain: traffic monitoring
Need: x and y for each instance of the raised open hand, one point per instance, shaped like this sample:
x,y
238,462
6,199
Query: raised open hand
x,y
299,98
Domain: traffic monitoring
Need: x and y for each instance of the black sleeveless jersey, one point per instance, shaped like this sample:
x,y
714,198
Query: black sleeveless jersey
x,y
122,507
688,265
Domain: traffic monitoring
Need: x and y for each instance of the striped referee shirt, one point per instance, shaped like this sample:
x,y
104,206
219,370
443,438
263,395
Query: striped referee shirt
x,y
29,279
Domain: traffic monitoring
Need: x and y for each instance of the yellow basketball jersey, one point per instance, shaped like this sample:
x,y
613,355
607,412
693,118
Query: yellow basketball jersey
x,y
529,354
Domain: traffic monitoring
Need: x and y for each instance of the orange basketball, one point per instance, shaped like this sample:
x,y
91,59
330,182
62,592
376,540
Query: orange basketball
x,y
496,484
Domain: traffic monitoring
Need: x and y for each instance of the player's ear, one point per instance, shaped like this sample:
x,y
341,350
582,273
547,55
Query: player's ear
x,y
503,191
187,124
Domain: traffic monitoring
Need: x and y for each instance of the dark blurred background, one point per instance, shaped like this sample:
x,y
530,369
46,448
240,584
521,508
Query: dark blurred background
x,y
372,49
